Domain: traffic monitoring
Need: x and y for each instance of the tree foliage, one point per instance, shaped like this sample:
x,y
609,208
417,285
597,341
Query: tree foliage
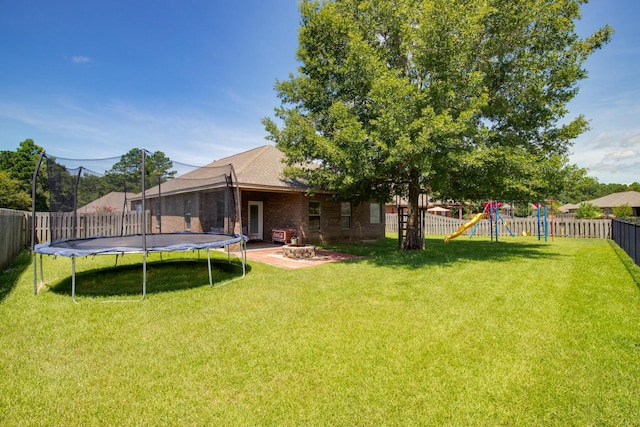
x,y
578,186
623,211
126,173
56,179
11,194
19,166
589,211
463,98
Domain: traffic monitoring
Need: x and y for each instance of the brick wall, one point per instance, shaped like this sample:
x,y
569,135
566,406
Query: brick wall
x,y
291,210
173,213
279,210
288,210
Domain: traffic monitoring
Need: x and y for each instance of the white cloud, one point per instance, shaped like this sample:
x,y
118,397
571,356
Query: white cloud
x,y
621,155
80,59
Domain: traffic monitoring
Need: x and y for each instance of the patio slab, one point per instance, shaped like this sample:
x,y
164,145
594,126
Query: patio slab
x,y
273,256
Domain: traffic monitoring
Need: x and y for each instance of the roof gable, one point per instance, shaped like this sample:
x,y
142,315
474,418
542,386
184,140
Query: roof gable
x,y
261,167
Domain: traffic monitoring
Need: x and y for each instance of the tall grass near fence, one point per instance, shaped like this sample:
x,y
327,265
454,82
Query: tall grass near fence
x,y
471,333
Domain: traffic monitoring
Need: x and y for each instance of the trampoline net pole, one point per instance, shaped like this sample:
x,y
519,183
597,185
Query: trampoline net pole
x,y
144,227
209,266
144,275
34,183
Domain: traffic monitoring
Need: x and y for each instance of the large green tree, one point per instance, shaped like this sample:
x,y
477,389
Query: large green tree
x,y
21,163
19,166
127,170
11,195
464,98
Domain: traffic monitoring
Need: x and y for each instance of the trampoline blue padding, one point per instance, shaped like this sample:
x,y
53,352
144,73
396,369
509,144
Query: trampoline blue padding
x,y
137,243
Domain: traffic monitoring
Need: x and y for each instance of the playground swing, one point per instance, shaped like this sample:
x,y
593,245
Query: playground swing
x,y
491,211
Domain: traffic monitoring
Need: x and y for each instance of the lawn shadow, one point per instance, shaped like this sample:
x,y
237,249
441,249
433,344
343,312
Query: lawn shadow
x,y
162,276
11,275
385,252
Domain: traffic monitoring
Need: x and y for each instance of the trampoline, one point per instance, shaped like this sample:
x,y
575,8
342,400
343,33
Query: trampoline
x,y
140,244
167,242
76,231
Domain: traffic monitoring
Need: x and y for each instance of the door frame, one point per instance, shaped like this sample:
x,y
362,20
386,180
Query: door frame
x,y
259,234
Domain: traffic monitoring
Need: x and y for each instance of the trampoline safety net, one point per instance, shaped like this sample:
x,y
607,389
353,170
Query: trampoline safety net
x,y
113,197
138,203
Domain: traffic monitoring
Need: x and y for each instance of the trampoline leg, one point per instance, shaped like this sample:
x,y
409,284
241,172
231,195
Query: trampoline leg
x,y
144,275
35,274
243,248
209,266
41,273
73,279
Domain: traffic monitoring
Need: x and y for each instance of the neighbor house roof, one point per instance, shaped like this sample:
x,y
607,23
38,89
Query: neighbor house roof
x,y
568,207
114,201
631,198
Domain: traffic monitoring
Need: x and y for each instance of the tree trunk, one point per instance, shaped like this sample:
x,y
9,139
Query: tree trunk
x,y
414,239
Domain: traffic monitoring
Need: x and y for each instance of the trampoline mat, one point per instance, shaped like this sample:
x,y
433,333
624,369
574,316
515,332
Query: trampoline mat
x,y
166,242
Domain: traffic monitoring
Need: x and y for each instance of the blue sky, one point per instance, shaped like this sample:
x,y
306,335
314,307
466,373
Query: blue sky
x,y
92,79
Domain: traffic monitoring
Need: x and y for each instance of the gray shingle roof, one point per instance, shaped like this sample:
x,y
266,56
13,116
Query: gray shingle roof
x,y
114,200
632,198
260,169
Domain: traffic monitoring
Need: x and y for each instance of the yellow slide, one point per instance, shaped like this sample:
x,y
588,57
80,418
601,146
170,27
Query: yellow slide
x,y
463,227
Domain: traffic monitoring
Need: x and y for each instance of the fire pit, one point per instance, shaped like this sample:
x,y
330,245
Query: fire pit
x,y
299,251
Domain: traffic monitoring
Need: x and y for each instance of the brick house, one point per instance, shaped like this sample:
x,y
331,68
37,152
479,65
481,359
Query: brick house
x,y
268,202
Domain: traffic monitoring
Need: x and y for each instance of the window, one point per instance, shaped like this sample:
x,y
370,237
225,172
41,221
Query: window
x,y
217,211
187,214
158,215
375,213
220,209
314,216
345,215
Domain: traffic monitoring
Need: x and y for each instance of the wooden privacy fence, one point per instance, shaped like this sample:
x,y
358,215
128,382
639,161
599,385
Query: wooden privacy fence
x,y
15,235
89,224
15,228
561,227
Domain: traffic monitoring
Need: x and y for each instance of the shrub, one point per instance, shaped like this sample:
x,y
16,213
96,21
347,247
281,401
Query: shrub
x,y
523,210
588,211
623,211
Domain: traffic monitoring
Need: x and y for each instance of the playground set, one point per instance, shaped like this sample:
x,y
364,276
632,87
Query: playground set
x,y
491,211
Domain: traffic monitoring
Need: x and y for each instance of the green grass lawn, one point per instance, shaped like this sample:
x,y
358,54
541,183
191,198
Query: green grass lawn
x,y
470,333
